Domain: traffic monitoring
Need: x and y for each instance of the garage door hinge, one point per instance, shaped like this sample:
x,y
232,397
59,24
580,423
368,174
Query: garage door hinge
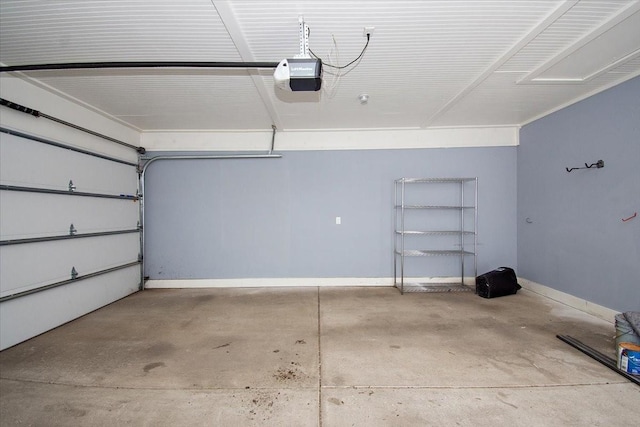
x,y
72,230
71,186
74,273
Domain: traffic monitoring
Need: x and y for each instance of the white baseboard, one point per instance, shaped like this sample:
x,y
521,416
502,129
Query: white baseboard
x,y
291,282
596,310
599,311
268,282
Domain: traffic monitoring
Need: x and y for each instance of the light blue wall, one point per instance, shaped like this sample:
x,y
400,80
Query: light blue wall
x,y
577,242
276,218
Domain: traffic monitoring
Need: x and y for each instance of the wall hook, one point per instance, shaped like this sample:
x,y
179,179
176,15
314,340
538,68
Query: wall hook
x,y
635,214
599,164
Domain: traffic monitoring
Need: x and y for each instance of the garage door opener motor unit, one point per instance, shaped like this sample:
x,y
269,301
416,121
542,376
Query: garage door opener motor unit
x,y
301,73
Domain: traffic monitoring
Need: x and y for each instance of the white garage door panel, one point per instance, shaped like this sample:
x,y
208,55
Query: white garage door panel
x,y
25,215
31,315
28,163
31,158
32,265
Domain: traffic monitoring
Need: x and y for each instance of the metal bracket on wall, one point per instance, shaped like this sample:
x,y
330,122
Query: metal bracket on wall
x,y
599,164
72,230
72,187
74,273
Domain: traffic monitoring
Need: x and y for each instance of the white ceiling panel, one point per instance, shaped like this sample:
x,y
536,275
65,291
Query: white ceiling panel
x,y
510,103
577,23
628,68
167,99
420,54
41,31
428,63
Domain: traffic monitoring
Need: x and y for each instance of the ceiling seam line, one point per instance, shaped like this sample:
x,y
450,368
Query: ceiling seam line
x,y
543,25
237,37
620,16
73,99
582,97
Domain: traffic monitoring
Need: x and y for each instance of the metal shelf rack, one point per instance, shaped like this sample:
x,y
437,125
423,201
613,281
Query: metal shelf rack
x,y
459,240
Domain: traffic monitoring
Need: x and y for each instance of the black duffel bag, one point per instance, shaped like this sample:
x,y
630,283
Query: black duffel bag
x,y
497,283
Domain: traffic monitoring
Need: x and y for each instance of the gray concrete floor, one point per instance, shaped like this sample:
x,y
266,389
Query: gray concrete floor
x,y
310,357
